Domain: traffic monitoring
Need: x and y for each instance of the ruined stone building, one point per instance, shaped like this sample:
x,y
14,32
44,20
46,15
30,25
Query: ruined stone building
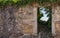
x,y
18,21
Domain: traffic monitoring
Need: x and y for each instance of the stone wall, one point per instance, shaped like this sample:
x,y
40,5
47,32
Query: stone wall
x,y
27,19
16,22
56,20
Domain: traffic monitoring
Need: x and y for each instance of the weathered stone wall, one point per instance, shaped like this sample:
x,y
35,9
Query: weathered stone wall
x,y
16,22
26,19
56,20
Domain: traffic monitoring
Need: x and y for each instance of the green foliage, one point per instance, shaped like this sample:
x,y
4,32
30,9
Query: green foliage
x,y
1,0
49,22
15,1
25,2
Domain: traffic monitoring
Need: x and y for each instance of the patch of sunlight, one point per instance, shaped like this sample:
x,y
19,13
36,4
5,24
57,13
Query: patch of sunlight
x,y
44,17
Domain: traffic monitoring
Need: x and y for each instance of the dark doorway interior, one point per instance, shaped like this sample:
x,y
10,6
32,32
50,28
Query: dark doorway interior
x,y
44,19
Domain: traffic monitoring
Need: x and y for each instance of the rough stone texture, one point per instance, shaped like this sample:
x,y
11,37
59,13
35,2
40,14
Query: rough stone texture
x,y
16,22
45,35
1,28
25,19
55,19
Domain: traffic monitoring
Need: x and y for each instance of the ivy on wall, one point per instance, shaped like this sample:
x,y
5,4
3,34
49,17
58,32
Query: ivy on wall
x,y
24,2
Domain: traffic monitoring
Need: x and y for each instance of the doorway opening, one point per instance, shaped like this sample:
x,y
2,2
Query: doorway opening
x,y
44,19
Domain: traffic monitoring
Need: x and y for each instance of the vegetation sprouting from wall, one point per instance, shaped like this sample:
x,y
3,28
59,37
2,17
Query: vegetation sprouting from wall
x,y
25,2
